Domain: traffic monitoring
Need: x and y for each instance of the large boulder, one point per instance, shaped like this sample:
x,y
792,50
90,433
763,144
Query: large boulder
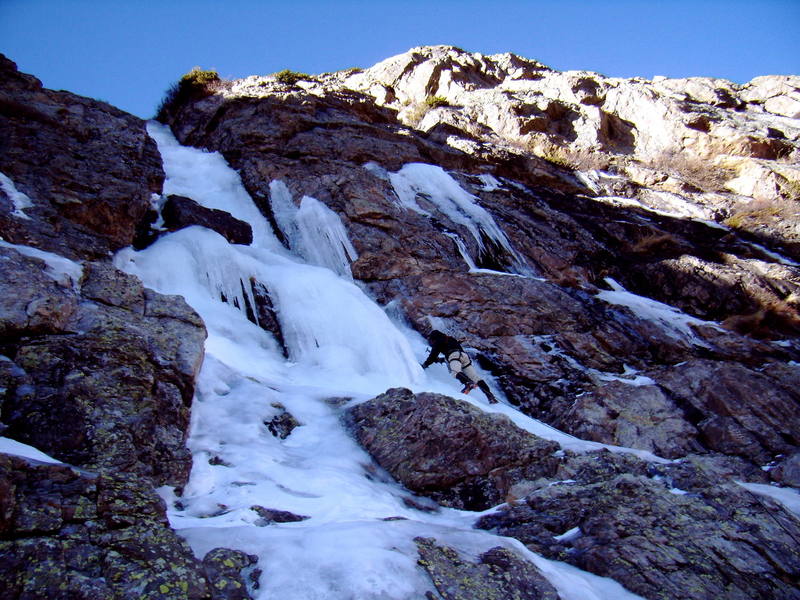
x,y
69,533
179,212
448,449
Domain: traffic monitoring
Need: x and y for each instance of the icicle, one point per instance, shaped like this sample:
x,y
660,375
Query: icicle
x,y
283,209
323,239
313,230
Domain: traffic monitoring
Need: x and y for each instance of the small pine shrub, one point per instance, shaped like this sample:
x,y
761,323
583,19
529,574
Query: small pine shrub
x,y
194,85
290,77
436,102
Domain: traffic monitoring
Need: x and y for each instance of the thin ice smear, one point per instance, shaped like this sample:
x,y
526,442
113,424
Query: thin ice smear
x,y
60,269
19,200
675,323
434,184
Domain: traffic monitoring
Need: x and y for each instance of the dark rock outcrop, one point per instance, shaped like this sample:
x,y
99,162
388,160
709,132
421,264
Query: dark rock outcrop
x,y
117,367
447,449
720,541
179,212
223,568
69,533
282,424
271,515
88,169
499,573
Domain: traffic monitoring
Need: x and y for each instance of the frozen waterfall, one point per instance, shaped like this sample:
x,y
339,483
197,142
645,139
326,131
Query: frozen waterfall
x,y
342,348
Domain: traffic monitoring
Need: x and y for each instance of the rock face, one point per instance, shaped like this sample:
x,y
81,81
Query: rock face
x,y
664,531
543,303
87,170
498,574
447,449
618,255
113,360
68,533
95,370
721,541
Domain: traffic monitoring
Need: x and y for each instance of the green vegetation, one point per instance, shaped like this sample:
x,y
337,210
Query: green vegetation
x,y
436,102
290,77
194,85
419,111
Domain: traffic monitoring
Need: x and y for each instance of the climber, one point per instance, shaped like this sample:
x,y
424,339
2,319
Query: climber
x,y
459,362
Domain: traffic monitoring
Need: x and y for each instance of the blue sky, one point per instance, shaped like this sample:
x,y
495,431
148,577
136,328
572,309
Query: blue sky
x,y
129,52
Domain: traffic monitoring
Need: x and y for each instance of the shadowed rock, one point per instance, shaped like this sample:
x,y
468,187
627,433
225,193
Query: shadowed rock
x,y
718,542
180,212
88,169
498,573
447,449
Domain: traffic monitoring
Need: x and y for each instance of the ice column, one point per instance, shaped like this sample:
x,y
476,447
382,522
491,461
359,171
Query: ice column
x,y
313,230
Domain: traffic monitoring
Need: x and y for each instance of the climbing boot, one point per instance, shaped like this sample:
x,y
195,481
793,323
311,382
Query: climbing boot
x,y
487,392
468,383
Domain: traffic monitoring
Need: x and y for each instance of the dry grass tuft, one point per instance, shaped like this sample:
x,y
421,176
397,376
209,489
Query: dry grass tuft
x,y
698,173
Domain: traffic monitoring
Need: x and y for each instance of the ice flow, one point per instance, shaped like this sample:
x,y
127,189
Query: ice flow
x,y
342,348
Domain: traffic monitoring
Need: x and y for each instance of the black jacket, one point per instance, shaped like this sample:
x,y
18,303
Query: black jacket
x,y
441,344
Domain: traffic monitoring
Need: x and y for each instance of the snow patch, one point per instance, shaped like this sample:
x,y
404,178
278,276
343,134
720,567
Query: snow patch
x,y
789,497
15,448
60,269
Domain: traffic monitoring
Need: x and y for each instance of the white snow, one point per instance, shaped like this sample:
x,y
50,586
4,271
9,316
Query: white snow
x,y
569,535
9,446
343,349
18,199
789,497
490,183
60,269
